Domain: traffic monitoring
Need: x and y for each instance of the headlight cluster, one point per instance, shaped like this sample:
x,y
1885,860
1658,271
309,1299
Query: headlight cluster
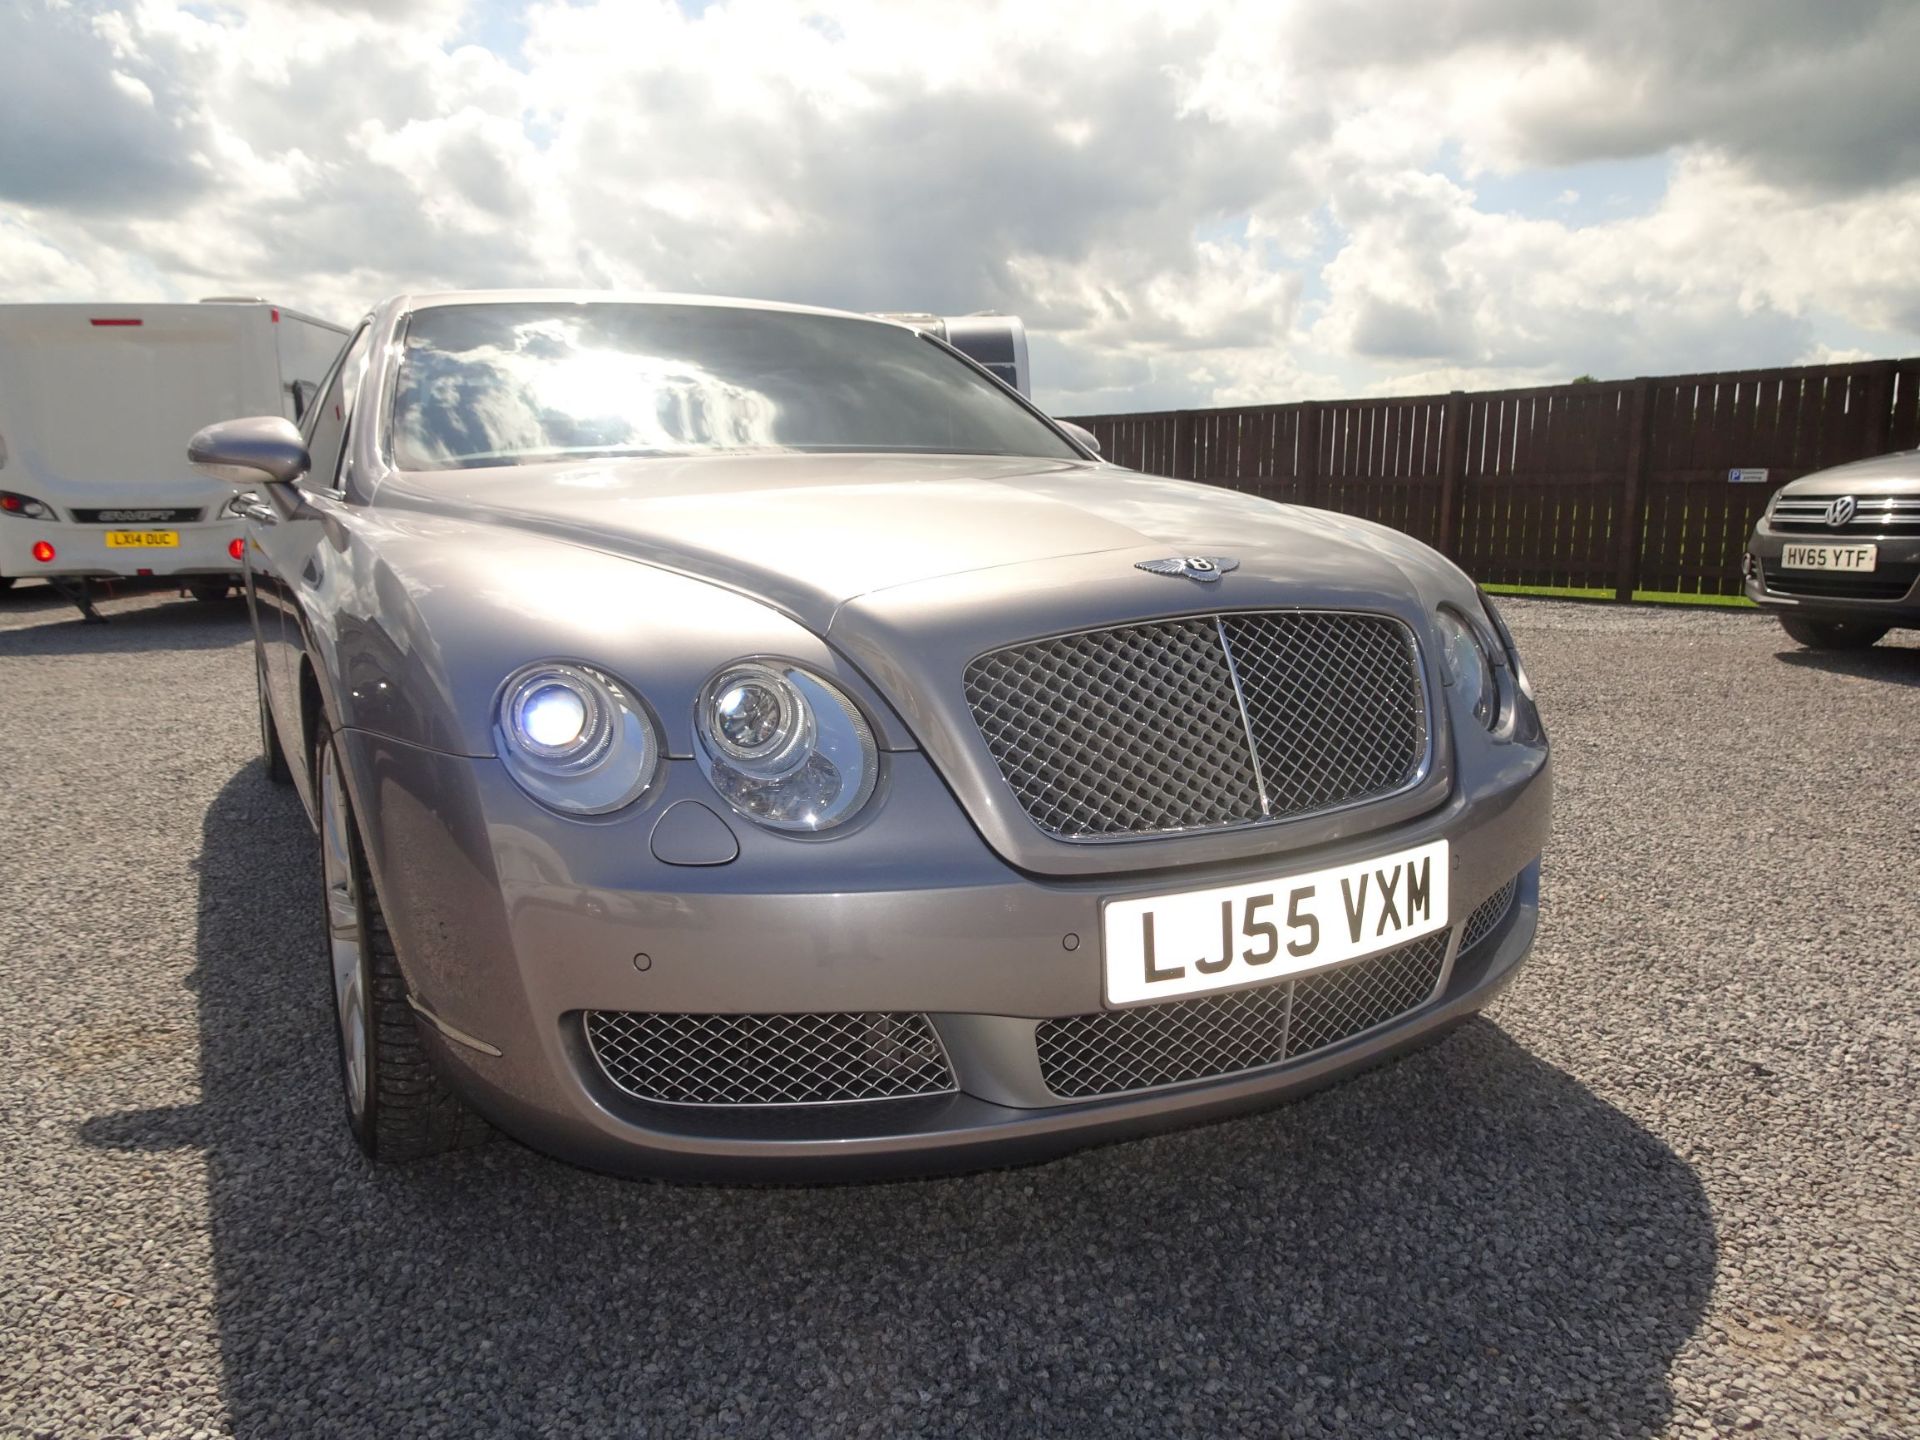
x,y
1520,680
1468,668
575,739
782,746
1472,666
785,748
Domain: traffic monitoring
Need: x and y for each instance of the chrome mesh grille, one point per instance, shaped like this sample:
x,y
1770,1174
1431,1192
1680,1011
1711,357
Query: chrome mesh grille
x,y
768,1059
1115,1051
1334,703
1488,914
1203,722
1338,1004
1113,732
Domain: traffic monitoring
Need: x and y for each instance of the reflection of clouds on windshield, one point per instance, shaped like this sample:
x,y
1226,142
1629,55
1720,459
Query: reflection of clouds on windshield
x,y
553,390
492,383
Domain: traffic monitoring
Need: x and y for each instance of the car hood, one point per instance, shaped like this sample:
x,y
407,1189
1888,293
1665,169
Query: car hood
x,y
910,567
807,534
1897,474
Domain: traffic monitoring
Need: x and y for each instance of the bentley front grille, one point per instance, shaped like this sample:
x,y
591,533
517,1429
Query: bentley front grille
x,y
1116,1051
768,1059
1204,723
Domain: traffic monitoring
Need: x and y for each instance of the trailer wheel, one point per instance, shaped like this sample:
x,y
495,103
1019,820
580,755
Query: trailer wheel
x,y
209,591
397,1106
6,583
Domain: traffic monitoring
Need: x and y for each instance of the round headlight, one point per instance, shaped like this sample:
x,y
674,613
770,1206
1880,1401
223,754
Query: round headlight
x,y
1468,668
756,718
574,739
785,748
551,716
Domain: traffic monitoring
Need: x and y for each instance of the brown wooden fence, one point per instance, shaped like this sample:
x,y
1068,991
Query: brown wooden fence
x,y
1617,485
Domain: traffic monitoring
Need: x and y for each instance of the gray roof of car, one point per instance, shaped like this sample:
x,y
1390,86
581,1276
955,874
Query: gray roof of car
x,y
434,299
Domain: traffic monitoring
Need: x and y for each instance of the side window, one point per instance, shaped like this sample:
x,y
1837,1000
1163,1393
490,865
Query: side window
x,y
326,439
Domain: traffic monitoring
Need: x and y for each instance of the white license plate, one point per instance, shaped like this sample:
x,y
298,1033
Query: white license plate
x,y
1829,557
1171,945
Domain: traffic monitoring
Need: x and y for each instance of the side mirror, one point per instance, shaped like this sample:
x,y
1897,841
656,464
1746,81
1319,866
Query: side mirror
x,y
246,452
1080,433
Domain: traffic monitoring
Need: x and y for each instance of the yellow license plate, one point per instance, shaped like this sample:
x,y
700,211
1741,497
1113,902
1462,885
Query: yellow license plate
x,y
143,539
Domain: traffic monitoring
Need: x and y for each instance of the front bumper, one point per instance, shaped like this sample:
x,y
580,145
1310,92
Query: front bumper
x,y
512,924
80,551
1889,593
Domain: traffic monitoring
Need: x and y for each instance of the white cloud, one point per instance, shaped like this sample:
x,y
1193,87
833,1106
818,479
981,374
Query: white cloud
x,y
1218,203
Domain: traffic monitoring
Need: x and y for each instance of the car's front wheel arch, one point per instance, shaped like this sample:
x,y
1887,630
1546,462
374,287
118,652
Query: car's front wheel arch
x,y
398,1106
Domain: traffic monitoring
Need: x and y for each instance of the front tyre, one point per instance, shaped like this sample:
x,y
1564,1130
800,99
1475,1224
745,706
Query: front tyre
x,y
397,1106
273,754
1832,634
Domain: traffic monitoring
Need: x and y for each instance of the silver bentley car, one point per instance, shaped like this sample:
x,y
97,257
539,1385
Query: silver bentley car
x,y
754,741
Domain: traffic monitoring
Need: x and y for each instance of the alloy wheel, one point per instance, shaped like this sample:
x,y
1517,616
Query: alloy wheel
x,y
345,929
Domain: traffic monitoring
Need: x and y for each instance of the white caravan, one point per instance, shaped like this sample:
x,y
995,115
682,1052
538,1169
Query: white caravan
x,y
96,404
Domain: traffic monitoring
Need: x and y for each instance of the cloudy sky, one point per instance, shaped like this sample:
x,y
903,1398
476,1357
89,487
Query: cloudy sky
x,y
1189,203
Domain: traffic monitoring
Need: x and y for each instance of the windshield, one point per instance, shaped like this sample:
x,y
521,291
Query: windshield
x,y
506,384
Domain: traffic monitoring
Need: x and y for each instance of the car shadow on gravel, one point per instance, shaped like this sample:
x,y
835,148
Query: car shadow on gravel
x,y
1891,664
1467,1242
180,624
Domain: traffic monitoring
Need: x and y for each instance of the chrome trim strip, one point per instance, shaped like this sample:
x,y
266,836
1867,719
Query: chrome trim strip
x,y
453,1033
1246,720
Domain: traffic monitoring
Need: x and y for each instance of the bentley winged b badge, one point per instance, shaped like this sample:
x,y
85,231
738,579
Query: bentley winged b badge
x,y
1207,568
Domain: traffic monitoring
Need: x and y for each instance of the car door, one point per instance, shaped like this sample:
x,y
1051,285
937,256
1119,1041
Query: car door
x,y
282,546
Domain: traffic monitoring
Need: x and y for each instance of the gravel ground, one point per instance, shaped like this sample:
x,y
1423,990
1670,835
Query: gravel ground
x,y
1666,1187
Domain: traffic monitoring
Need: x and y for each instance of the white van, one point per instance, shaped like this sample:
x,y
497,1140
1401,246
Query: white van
x,y
97,402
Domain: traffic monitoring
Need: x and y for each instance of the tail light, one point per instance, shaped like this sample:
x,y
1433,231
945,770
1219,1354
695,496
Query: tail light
x,y
237,548
43,552
25,506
